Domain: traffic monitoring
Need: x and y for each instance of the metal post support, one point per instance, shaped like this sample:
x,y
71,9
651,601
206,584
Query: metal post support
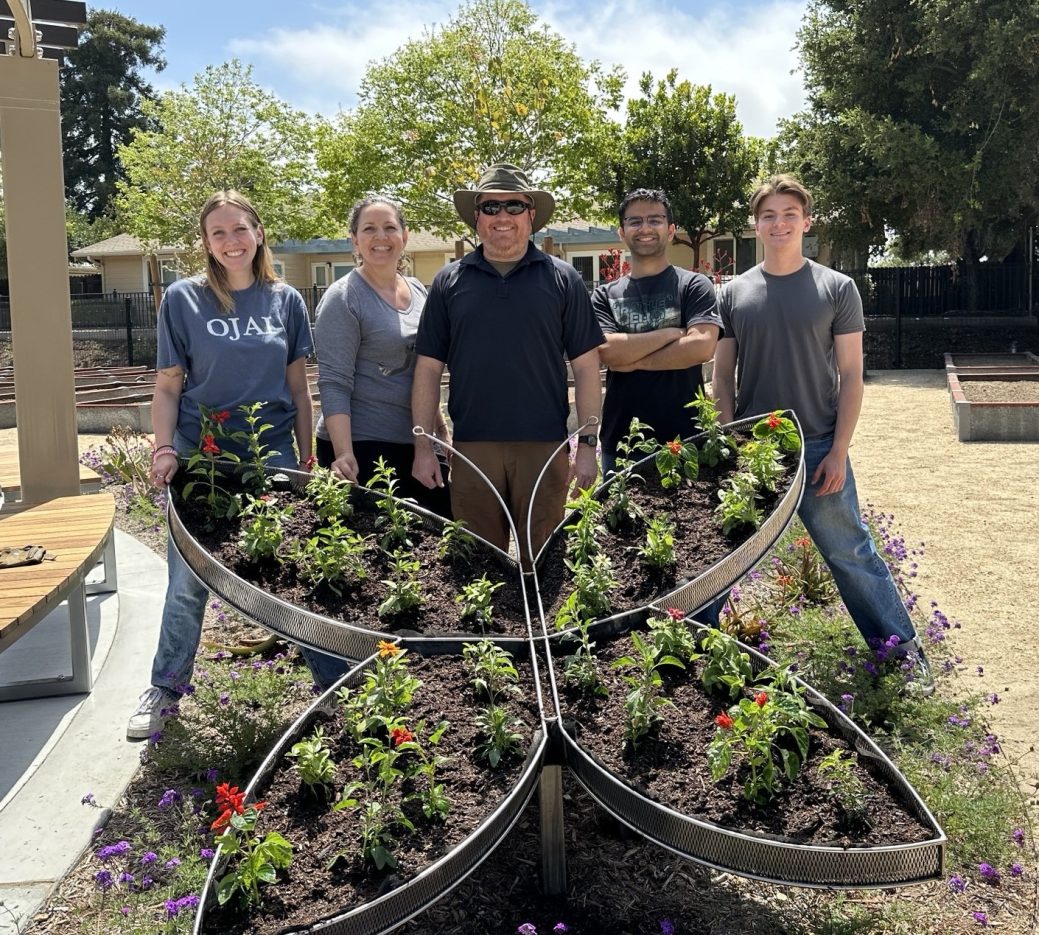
x,y
128,306
553,838
899,285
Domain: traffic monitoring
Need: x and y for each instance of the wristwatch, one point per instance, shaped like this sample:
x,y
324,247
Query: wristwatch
x,y
590,440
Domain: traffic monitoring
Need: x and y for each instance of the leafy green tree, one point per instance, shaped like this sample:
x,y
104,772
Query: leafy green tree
x,y
923,120
687,141
492,85
223,132
102,93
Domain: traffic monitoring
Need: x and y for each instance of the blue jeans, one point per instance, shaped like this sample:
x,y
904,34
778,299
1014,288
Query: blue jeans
x,y
181,629
835,524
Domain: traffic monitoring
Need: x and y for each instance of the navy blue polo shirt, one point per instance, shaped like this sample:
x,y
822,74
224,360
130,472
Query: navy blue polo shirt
x,y
503,339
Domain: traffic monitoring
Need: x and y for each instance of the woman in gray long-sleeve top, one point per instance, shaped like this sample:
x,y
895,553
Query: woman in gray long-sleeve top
x,y
365,342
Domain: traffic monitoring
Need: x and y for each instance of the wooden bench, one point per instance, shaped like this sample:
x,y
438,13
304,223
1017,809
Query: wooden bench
x,y
11,478
78,531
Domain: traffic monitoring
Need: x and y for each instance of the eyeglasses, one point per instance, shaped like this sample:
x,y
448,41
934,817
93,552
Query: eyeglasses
x,y
512,206
654,220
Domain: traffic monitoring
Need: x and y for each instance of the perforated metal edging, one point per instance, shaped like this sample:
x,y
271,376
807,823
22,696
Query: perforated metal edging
x,y
756,856
385,913
302,626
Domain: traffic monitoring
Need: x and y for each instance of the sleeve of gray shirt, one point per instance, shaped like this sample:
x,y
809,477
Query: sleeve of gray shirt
x,y
337,336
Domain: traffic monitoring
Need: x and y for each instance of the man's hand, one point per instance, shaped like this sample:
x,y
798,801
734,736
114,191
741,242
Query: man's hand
x,y
831,473
583,469
426,467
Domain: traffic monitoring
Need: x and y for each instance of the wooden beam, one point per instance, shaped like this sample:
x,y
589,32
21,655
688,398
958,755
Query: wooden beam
x,y
58,37
71,12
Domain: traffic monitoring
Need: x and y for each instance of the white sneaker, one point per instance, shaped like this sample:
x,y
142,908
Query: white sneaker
x,y
152,711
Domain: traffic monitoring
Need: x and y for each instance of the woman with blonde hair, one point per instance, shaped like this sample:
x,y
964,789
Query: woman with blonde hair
x,y
233,336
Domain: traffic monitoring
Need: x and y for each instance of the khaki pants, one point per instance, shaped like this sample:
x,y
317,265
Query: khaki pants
x,y
512,467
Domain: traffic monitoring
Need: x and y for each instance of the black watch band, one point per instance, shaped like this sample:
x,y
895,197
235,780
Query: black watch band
x,y
590,440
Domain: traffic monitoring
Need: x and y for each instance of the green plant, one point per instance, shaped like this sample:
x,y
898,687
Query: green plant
x,y
490,668
403,585
476,600
500,730
330,494
658,552
726,667
801,574
837,769
125,457
768,734
206,463
620,508
457,544
718,445
590,597
254,860
333,556
672,636
677,461
644,701
432,797
385,695
395,520
582,543
776,425
314,763
263,526
738,505
761,459
581,668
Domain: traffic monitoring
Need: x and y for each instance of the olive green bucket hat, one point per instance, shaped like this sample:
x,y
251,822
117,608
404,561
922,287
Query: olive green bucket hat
x,y
502,177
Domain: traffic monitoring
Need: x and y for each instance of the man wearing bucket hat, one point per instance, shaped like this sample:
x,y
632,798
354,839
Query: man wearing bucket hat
x,y
502,319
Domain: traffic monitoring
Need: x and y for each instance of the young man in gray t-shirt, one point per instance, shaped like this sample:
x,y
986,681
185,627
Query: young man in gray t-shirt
x,y
793,340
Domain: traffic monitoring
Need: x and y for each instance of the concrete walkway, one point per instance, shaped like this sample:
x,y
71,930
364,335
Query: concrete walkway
x,y
53,751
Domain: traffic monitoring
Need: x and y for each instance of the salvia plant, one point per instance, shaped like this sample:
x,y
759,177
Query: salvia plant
x,y
403,586
677,461
254,470
590,598
476,600
329,494
208,463
581,668
776,425
457,544
314,763
500,732
490,668
263,526
333,556
726,667
738,506
717,445
620,508
658,551
432,796
583,534
671,636
645,698
385,695
763,461
395,520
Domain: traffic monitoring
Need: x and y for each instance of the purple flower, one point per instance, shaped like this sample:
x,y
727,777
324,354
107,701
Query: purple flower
x,y
207,853
148,857
155,738
125,877
146,883
560,927
103,880
988,872
171,908
667,927
212,774
957,884
1018,836
125,910
169,798
224,700
527,928
114,850
172,864
1016,869
993,698
88,799
981,918
846,702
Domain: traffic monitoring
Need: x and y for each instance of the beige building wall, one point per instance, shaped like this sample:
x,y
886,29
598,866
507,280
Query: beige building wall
x,y
124,274
426,265
295,269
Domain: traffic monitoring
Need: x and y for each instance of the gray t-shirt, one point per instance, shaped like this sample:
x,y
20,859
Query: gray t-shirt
x,y
235,358
784,328
366,359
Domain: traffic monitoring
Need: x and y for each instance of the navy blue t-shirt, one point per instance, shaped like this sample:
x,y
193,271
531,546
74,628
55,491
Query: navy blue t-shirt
x,y
674,298
503,339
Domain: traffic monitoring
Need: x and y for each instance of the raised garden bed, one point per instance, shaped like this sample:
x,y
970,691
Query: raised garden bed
x,y
995,406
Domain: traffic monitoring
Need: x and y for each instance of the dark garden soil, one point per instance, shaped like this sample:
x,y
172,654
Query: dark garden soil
x,y
309,891
1001,391
699,540
442,581
670,765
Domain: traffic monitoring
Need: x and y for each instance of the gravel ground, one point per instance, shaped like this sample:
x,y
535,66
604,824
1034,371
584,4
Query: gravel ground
x,y
1001,391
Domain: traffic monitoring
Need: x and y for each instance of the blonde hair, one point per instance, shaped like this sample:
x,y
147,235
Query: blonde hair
x,y
781,185
216,275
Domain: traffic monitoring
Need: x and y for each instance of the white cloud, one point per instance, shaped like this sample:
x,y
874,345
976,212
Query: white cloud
x,y
742,50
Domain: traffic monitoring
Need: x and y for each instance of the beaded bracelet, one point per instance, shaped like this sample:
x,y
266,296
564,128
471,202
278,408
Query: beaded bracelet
x,y
163,450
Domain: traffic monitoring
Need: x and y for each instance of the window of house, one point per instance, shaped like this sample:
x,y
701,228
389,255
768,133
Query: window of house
x,y
587,264
279,268
746,254
168,272
325,274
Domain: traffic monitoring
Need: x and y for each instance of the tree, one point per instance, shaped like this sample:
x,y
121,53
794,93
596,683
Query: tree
x,y
923,121
102,93
493,85
687,141
223,132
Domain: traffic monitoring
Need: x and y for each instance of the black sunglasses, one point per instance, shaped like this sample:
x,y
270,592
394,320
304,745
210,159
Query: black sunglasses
x,y
512,206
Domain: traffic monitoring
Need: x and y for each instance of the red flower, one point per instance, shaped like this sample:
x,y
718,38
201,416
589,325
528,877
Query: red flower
x,y
209,446
803,542
723,721
310,462
676,613
675,447
221,417
401,735
229,798
761,699
774,421
222,821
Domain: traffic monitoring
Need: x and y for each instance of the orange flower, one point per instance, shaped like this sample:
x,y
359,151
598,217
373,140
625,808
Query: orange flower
x,y
401,735
723,721
761,699
386,648
803,542
209,445
774,421
675,447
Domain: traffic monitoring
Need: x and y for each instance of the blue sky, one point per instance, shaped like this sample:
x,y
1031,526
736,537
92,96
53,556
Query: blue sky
x,y
313,53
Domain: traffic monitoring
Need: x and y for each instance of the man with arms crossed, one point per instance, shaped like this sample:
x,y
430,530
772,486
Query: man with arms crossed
x,y
660,324
793,340
502,318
